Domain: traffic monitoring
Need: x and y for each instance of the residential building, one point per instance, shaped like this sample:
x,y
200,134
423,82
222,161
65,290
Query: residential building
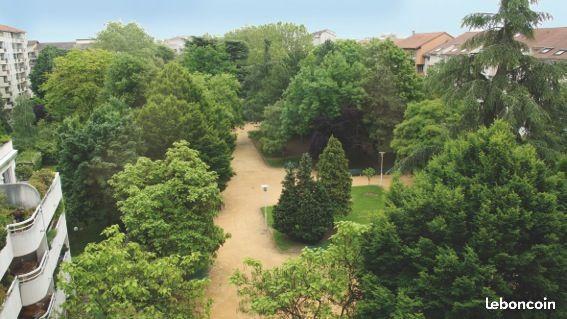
x,y
322,36
381,37
33,247
548,44
14,64
177,44
33,49
418,44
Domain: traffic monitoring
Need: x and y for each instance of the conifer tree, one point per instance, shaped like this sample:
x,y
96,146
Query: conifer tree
x,y
335,177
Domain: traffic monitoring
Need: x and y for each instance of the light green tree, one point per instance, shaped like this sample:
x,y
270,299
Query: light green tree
x,y
23,123
320,283
168,205
369,172
127,38
43,66
117,279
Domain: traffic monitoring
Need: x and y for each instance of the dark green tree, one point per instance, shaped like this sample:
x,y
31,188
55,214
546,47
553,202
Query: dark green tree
x,y
207,55
127,79
502,82
485,219
165,54
90,153
42,67
334,176
304,213
23,125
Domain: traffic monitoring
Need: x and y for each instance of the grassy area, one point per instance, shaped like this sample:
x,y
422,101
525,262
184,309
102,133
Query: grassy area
x,y
281,161
367,203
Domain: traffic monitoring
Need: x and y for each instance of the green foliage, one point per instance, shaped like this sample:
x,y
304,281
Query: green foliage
x,y
304,211
90,154
320,283
117,279
369,172
165,54
502,82
274,53
46,141
76,83
41,180
334,176
168,205
126,38
24,130
181,108
207,55
485,218
26,163
43,66
424,130
127,78
6,218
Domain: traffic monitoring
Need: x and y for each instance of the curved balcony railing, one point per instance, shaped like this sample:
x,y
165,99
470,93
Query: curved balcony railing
x,y
12,303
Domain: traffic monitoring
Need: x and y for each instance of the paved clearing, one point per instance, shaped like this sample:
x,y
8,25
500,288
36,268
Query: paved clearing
x,y
241,218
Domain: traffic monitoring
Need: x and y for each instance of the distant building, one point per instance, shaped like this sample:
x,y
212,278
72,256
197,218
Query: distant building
x,y
34,47
382,37
548,44
418,44
32,52
177,44
322,36
14,64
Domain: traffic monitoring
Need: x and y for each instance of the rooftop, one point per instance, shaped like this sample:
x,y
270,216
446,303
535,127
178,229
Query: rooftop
x,y
318,33
6,28
417,40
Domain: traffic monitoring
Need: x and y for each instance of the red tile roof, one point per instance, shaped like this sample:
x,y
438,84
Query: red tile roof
x,y
6,28
417,40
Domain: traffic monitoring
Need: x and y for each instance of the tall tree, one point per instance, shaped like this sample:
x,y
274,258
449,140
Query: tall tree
x,y
76,83
320,283
485,219
501,82
127,79
117,279
180,108
334,176
43,66
168,205
303,211
207,55
90,154
24,129
127,38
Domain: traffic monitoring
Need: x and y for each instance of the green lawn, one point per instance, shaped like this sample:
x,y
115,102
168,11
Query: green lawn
x,y
281,161
367,203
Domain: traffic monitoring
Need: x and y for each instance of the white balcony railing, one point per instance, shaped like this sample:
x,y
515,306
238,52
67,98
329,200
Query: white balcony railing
x,y
36,285
27,235
13,303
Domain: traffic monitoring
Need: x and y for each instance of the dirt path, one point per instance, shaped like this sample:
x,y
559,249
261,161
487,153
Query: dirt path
x,y
241,218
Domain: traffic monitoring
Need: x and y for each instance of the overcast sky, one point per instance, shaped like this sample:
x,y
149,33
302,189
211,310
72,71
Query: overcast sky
x,y
64,20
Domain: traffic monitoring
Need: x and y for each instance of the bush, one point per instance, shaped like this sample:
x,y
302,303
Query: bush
x,y
41,180
26,163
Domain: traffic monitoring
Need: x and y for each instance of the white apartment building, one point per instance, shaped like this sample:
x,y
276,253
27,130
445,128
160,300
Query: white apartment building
x,y
14,64
322,36
177,44
33,248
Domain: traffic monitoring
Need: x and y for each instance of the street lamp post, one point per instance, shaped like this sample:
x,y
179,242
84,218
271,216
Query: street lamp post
x,y
265,189
381,167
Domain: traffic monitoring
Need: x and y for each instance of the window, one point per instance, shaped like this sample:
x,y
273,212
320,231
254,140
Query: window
x,y
545,50
420,68
560,52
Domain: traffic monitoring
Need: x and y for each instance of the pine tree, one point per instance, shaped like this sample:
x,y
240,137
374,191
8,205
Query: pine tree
x,y
304,211
335,177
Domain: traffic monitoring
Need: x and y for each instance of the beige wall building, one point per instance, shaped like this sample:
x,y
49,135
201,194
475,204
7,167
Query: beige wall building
x,y
14,64
418,44
323,36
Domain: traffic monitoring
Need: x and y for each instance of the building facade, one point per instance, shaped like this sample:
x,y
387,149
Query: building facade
x,y
418,44
33,247
14,65
177,44
548,44
323,36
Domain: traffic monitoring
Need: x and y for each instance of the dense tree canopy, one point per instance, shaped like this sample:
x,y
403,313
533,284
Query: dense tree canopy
x,y
42,68
127,79
208,55
117,279
126,38
23,125
422,133
76,83
168,205
90,153
304,211
501,82
320,283
486,218
180,108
